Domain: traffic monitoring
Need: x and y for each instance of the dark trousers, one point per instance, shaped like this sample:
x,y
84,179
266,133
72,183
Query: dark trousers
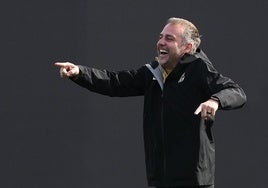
x,y
201,186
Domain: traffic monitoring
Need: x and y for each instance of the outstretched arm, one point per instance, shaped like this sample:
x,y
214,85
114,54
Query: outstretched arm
x,y
112,83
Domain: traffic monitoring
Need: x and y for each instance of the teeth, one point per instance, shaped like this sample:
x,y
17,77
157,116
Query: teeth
x,y
163,51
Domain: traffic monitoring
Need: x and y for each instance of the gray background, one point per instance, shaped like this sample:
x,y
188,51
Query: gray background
x,y
56,134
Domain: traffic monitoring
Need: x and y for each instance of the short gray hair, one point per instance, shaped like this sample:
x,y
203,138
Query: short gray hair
x,y
190,34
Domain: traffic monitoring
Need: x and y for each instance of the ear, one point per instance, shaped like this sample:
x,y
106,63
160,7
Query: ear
x,y
188,48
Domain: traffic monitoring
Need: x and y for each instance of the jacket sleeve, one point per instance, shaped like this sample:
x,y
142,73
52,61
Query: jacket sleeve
x,y
111,83
229,94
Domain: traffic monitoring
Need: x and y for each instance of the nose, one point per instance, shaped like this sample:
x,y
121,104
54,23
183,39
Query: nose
x,y
161,42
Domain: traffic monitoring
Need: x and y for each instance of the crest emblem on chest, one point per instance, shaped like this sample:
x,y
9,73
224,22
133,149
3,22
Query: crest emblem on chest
x,y
181,78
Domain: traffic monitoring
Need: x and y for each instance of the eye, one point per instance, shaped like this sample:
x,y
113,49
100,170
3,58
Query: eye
x,y
169,38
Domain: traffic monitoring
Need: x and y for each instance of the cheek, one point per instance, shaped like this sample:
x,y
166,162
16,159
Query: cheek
x,y
176,50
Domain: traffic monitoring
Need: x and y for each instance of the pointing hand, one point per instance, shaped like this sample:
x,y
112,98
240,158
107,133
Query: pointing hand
x,y
67,69
208,109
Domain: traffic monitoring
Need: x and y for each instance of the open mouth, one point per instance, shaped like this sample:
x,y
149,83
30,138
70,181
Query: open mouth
x,y
163,52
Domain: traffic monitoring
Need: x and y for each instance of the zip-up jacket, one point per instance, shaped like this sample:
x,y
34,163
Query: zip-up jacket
x,y
179,145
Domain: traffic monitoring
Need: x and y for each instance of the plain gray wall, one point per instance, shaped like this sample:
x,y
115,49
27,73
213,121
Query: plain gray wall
x,y
56,134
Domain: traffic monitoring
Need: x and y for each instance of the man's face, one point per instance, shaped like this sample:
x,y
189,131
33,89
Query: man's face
x,y
170,47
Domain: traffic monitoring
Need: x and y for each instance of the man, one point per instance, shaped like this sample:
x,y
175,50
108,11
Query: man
x,y
182,92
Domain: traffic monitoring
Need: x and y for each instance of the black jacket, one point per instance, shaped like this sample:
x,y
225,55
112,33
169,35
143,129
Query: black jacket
x,y
179,146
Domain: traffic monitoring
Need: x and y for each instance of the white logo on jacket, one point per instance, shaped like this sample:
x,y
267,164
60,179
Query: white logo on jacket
x,y
181,78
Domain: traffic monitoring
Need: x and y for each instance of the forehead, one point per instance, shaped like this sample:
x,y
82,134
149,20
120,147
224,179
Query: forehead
x,y
173,29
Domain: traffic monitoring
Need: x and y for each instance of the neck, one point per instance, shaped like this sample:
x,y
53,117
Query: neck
x,y
168,67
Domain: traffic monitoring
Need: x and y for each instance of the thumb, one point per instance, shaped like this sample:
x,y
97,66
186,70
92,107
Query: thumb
x,y
72,71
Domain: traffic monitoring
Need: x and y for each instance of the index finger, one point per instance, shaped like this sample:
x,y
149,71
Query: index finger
x,y
198,110
60,64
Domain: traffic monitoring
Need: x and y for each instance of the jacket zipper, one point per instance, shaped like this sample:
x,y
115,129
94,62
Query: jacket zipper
x,y
163,138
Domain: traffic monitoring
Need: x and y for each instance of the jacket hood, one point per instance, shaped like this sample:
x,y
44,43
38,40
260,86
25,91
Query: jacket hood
x,y
188,58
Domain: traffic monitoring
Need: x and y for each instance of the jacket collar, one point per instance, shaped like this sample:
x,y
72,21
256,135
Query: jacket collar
x,y
188,58
155,67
